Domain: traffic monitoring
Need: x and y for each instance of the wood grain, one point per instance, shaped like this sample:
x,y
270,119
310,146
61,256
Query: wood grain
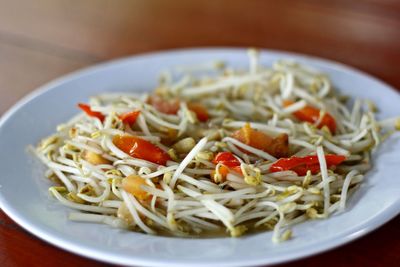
x,y
380,248
40,40
19,248
364,35
23,69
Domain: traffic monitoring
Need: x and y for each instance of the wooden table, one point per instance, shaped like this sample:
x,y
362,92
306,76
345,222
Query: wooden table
x,y
40,40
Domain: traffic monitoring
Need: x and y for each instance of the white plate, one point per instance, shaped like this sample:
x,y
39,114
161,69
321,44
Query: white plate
x,y
24,197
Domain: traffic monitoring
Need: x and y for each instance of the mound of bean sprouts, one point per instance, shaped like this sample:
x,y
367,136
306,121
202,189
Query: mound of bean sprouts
x,y
188,195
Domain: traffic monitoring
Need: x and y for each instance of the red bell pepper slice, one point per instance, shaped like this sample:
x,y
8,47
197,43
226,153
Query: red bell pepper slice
x,y
277,146
227,159
129,117
139,148
86,108
171,106
301,165
312,115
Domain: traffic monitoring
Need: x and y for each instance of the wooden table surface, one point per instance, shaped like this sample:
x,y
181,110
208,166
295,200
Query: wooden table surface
x,y
40,40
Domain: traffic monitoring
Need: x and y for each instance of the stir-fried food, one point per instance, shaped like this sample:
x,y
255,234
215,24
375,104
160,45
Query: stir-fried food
x,y
235,151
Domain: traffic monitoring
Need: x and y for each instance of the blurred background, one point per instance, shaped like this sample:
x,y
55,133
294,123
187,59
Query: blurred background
x,y
43,39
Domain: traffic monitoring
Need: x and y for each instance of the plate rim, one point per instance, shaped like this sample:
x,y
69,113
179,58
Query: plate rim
x,y
348,236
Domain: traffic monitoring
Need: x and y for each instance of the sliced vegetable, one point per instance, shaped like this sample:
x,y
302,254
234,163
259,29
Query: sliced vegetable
x,y
139,148
129,117
301,165
86,108
277,147
171,106
227,159
167,106
312,115
220,176
223,172
227,162
200,110
133,185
